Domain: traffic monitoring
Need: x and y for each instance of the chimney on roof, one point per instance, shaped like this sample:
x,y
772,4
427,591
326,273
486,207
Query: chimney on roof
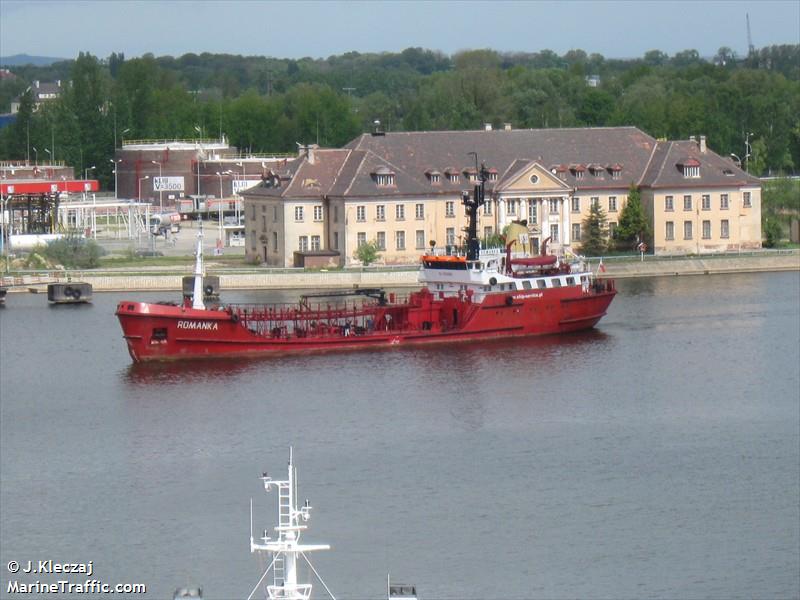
x,y
377,129
692,138
702,144
36,83
487,126
58,82
308,152
506,126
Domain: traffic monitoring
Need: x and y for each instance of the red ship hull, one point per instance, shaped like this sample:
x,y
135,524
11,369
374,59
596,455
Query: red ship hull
x,y
167,332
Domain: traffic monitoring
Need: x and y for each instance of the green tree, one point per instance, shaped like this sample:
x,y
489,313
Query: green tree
x,y
74,252
633,226
772,231
595,232
17,146
367,253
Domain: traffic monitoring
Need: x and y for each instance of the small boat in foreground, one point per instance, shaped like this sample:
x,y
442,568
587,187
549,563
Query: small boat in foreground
x,y
478,295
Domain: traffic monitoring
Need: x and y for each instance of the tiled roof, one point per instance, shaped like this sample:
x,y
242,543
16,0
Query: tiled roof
x,y
418,152
664,169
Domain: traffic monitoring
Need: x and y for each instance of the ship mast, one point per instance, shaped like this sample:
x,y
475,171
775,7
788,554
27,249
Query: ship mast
x,y
197,298
472,205
286,549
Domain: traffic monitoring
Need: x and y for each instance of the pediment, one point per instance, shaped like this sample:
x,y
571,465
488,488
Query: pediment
x,y
531,177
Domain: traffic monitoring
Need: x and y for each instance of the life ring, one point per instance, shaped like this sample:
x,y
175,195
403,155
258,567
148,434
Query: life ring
x,y
76,293
493,281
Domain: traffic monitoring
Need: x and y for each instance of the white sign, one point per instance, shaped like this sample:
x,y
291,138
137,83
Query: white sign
x,y
240,185
167,184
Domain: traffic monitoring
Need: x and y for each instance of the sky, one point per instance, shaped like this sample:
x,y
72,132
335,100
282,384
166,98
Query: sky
x,y
294,29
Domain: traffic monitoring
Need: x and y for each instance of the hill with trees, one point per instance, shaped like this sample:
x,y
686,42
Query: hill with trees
x,y
268,104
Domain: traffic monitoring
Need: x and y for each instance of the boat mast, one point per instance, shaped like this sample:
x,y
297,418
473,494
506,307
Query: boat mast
x,y
287,547
472,205
197,298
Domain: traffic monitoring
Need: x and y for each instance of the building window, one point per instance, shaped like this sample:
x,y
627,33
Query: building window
x,y
723,201
315,242
595,201
533,211
668,204
576,205
335,240
576,232
452,177
746,200
263,222
275,213
400,212
380,212
335,214
384,179
487,232
612,204
492,175
434,178
687,202
554,233
380,240
706,230
616,174
511,205
303,243
419,211
400,240
449,209
318,213
298,213
687,230
450,236
553,206
252,212
612,230
487,208
691,171
724,230
274,241
420,237
669,234
361,213
578,174
361,239
705,199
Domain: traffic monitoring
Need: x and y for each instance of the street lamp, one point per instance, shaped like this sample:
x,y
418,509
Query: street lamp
x,y
141,179
160,187
35,156
747,149
124,131
116,168
86,171
220,205
738,160
49,155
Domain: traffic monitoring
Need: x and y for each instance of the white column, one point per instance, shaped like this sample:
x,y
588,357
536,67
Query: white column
x,y
545,214
565,220
501,214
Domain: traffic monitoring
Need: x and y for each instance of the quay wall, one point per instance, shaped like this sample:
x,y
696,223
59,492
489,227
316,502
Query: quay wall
x,y
164,280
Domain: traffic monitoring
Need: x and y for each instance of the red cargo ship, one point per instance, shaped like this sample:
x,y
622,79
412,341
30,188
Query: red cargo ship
x,y
484,294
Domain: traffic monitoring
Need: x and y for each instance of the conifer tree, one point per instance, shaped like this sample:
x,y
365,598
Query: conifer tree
x,y
595,232
633,226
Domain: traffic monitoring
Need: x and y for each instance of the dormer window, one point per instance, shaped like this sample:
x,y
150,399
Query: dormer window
x,y
471,174
384,176
434,176
690,168
492,174
452,175
596,170
615,170
578,171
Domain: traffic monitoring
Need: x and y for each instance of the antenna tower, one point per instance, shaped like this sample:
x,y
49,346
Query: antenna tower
x,y
750,48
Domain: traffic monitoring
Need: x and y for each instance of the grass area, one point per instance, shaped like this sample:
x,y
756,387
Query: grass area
x,y
114,262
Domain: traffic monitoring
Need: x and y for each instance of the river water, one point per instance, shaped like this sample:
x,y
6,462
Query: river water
x,y
657,456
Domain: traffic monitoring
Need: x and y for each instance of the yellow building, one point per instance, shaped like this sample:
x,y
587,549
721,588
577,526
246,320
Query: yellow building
x,y
403,191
